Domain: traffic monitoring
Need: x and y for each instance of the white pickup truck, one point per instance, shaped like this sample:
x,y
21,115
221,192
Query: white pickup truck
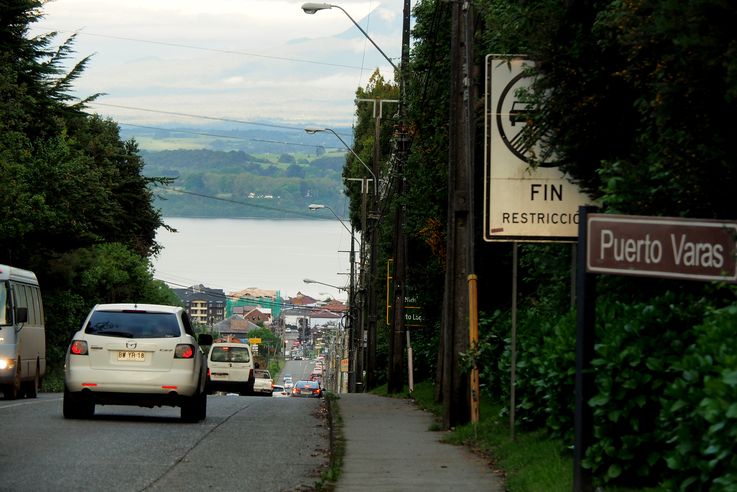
x,y
263,384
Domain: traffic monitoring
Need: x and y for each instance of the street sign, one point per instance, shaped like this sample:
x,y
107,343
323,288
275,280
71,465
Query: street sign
x,y
526,196
664,247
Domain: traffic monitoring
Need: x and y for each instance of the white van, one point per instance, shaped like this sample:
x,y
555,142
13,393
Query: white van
x,y
22,333
230,368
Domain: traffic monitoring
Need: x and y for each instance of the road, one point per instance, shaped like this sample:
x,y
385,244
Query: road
x,y
246,443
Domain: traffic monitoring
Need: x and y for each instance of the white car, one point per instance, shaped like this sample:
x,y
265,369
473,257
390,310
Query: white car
x,y
230,368
279,391
136,354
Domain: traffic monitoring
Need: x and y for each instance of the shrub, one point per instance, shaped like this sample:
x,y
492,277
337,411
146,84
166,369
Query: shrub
x,y
699,415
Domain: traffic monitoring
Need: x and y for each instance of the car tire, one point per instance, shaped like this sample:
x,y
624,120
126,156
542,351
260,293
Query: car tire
x,y
76,407
195,409
32,387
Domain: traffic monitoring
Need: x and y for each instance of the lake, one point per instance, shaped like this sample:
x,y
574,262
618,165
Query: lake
x,y
235,254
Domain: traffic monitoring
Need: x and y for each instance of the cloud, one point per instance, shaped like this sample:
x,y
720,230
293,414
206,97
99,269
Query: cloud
x,y
242,59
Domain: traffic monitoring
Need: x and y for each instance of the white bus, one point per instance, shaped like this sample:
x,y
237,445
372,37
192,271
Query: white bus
x,y
22,333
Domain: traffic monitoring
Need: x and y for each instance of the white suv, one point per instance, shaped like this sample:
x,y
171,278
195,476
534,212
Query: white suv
x,y
136,354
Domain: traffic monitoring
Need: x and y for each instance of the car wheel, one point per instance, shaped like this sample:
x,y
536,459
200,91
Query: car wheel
x,y
195,409
76,407
33,386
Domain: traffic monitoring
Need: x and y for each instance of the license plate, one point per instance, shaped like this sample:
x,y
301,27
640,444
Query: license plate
x,y
129,355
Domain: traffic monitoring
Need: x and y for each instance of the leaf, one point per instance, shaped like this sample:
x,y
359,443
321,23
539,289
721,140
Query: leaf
x,y
614,471
599,400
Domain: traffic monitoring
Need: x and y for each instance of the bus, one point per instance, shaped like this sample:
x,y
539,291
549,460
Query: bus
x,y
22,333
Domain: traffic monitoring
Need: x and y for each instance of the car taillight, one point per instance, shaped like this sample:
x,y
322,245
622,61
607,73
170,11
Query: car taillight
x,y
184,351
78,347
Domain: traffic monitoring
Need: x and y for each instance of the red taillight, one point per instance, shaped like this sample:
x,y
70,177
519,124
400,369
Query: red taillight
x,y
78,347
184,351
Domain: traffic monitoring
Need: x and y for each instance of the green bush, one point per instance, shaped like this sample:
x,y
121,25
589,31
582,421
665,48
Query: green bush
x,y
640,346
699,415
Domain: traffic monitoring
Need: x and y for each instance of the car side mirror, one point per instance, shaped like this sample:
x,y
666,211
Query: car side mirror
x,y
204,339
21,314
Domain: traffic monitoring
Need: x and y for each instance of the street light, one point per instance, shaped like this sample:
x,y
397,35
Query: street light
x,y
320,206
312,131
311,8
310,281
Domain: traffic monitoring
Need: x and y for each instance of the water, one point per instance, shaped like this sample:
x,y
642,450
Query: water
x,y
235,254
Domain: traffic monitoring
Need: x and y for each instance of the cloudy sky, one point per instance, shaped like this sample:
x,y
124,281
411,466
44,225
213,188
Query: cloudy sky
x,y
251,60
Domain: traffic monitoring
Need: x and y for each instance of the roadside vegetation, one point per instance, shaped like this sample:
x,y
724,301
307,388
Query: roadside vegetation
x,y
637,101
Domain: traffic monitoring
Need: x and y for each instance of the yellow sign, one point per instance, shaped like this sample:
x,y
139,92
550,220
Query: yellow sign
x,y
254,341
343,365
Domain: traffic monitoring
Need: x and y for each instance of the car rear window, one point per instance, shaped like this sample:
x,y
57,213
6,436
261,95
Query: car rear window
x,y
133,324
230,354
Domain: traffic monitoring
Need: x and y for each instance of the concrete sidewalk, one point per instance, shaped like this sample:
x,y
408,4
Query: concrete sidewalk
x,y
389,447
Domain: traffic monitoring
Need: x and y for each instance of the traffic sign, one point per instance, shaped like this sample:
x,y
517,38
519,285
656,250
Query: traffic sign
x,y
526,196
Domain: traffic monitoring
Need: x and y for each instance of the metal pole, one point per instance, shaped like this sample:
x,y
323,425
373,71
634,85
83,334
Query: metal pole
x,y
585,336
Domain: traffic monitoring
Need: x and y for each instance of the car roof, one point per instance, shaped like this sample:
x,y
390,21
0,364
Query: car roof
x,y
158,308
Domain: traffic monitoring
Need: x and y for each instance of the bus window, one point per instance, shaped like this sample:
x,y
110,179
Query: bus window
x,y
4,305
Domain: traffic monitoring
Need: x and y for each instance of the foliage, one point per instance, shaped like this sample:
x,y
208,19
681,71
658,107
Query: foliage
x,y
75,207
699,417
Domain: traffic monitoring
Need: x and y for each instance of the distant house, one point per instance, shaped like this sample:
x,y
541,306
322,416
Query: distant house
x,y
204,305
301,300
235,326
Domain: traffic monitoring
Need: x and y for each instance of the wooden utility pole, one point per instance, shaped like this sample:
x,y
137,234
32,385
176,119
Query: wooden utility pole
x,y
372,235
396,338
455,327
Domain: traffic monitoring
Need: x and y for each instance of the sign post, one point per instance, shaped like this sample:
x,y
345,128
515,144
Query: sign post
x,y
661,247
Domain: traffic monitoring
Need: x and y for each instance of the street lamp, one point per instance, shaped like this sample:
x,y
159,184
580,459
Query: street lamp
x,y
310,281
311,8
320,206
312,131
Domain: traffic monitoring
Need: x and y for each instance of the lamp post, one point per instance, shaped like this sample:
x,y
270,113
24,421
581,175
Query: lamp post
x,y
355,331
312,131
310,281
311,8
399,246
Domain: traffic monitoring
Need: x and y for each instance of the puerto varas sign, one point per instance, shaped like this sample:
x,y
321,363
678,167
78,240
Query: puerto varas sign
x,y
526,196
665,247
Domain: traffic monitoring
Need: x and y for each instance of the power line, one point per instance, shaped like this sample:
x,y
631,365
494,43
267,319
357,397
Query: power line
x,y
234,137
212,50
255,205
282,304
204,117
200,116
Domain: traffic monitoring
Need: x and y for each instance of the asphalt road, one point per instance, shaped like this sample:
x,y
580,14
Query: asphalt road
x,y
246,443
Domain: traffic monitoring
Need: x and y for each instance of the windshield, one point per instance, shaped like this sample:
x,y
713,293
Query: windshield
x,y
133,324
4,305
230,354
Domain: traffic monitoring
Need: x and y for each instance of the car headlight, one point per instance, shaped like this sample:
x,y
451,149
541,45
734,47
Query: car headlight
x,y
6,364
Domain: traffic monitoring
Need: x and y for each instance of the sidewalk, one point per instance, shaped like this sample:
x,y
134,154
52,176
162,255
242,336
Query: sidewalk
x,y
389,447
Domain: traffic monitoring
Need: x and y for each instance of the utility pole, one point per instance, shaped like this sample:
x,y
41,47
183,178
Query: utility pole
x,y
396,338
373,236
455,328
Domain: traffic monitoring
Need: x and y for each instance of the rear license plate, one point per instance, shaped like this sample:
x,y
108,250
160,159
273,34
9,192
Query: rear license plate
x,y
129,355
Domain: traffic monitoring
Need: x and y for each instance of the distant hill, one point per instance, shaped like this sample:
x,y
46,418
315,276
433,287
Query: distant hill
x,y
235,183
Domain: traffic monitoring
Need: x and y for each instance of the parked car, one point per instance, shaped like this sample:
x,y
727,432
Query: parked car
x,y
263,384
309,389
136,354
279,391
230,368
